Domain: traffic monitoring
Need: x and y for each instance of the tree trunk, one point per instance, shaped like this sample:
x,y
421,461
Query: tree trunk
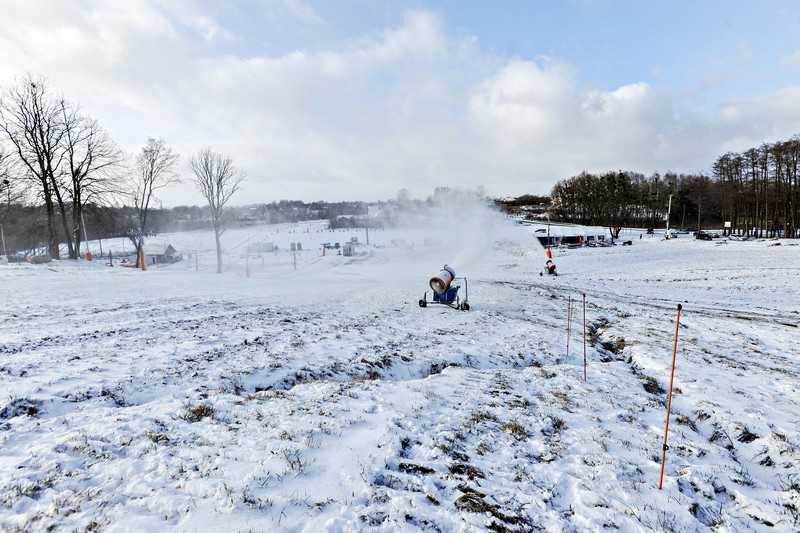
x,y
68,232
52,245
219,247
76,223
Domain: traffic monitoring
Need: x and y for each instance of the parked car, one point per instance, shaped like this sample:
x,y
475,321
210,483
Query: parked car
x,y
703,236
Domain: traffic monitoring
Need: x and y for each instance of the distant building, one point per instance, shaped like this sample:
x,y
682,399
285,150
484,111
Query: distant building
x,y
260,247
569,235
160,253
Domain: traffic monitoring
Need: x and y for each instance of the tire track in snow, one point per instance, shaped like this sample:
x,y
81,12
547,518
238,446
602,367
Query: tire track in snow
x,y
789,319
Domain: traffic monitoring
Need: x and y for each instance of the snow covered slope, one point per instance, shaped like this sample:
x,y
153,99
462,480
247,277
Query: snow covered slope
x,y
323,397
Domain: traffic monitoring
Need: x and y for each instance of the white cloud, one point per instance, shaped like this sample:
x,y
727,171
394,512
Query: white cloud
x,y
791,60
301,11
420,37
537,121
524,97
409,106
768,118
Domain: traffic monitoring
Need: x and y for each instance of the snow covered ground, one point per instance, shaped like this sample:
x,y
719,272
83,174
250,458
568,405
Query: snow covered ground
x,y
322,397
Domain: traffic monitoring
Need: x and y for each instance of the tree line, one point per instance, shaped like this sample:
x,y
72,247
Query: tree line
x,y
54,155
753,193
59,167
759,190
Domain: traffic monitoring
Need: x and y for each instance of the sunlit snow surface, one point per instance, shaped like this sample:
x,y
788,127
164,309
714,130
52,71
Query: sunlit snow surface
x,y
323,398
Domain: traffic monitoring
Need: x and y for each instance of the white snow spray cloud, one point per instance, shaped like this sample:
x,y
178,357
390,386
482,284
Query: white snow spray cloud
x,y
461,230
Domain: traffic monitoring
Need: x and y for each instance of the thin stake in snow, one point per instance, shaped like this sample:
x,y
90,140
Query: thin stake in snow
x,y
669,398
584,336
247,265
569,320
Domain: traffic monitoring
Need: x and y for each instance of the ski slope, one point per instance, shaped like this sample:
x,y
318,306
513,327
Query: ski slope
x,y
302,392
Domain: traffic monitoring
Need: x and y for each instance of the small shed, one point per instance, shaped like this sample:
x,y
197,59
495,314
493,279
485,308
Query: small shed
x,y
160,254
260,247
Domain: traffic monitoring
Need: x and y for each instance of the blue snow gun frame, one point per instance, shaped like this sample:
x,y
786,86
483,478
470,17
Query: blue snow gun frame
x,y
445,292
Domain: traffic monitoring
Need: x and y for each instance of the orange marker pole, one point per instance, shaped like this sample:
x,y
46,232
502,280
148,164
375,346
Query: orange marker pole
x,y
669,398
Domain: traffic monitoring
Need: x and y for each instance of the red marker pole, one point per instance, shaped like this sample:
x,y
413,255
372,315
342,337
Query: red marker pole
x,y
584,337
669,398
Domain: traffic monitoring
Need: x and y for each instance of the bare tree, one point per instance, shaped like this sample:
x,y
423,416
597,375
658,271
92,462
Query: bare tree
x,y
67,156
92,161
6,179
403,197
217,178
153,170
31,121
5,199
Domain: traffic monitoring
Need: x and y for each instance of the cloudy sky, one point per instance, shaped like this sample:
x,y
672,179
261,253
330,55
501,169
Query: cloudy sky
x,y
358,99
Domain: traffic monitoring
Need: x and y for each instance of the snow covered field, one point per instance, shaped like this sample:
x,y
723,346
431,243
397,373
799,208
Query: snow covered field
x,y
323,398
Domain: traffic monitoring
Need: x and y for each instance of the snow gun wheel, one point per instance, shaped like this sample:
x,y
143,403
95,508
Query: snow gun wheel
x,y
465,306
423,303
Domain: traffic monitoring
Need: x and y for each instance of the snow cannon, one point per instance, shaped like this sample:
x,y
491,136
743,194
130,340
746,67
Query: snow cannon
x,y
441,281
445,291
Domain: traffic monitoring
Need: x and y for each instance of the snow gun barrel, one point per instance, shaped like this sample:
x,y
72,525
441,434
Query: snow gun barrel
x,y
441,281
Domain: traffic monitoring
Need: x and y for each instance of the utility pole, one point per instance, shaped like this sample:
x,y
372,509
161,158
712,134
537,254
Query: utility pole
x,y
7,186
669,210
548,233
3,235
698,216
85,235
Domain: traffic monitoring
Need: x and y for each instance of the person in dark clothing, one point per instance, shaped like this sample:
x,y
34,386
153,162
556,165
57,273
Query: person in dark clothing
x,y
550,267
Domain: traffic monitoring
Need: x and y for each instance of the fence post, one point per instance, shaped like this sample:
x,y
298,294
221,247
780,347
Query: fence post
x,y
569,322
584,336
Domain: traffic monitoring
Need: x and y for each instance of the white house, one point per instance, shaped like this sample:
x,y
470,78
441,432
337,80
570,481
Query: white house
x,y
157,253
